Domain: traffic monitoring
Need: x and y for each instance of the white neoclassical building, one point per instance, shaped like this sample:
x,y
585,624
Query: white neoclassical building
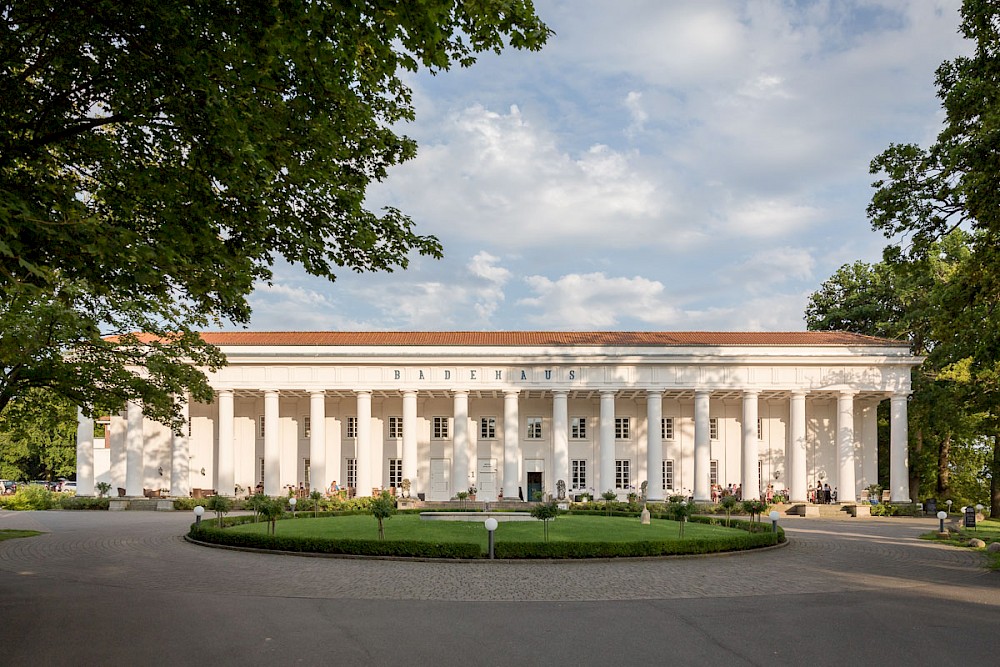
x,y
511,413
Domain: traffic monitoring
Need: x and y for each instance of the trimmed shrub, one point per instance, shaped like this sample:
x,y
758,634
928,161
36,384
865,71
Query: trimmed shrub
x,y
83,503
29,497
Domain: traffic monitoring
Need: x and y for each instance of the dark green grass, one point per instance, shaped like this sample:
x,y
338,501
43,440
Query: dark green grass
x,y
565,528
987,530
7,534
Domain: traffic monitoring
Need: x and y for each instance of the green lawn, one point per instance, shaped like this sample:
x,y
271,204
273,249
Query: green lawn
x,y
566,528
7,534
988,531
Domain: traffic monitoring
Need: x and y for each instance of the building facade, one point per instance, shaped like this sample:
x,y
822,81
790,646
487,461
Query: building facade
x,y
512,413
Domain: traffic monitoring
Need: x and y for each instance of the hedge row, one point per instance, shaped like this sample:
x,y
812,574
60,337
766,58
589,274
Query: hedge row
x,y
319,545
633,549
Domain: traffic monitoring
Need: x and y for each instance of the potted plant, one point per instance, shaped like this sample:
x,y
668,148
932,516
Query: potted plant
x,y
472,492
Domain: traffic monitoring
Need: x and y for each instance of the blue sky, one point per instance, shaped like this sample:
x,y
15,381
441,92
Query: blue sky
x,y
673,165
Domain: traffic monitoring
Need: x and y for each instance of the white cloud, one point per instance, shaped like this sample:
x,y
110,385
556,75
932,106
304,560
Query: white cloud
x,y
633,102
595,301
488,294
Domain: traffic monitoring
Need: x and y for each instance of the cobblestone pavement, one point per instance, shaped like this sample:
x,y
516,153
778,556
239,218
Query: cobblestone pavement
x,y
140,550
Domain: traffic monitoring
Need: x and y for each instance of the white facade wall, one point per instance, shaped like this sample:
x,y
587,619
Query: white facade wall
x,y
486,373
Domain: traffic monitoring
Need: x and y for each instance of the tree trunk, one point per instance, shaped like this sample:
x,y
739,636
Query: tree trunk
x,y
994,482
918,447
943,475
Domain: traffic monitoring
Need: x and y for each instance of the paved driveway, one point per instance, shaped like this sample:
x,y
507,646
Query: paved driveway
x,y
103,587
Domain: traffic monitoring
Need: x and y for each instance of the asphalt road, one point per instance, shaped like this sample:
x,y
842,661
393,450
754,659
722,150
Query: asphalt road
x,y
104,588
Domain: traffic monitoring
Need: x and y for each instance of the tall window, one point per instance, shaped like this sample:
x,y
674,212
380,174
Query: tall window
x,y
534,428
306,473
261,478
760,476
260,426
623,474
578,473
622,428
668,474
667,428
306,426
395,427
488,428
396,472
352,473
578,428
440,430
713,471
352,427
760,428
713,428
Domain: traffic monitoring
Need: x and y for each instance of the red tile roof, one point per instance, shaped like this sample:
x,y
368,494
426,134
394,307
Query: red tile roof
x,y
545,338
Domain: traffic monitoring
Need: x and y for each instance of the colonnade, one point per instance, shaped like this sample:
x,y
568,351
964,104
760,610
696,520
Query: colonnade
x,y
463,447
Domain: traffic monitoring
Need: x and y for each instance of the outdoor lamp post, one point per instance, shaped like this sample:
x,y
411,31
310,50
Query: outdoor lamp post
x,y
979,510
292,501
491,525
774,520
198,512
942,515
948,502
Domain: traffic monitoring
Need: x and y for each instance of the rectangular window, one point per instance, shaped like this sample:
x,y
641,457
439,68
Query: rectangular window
x,y
352,427
623,475
352,473
713,428
395,427
260,426
534,428
578,428
622,428
261,478
305,474
396,472
440,431
760,429
760,476
306,426
713,471
668,474
667,428
488,428
578,473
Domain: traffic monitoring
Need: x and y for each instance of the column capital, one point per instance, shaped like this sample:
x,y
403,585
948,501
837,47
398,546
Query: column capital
x,y
317,392
226,392
654,392
560,392
363,392
408,392
271,392
612,392
703,393
511,392
901,395
799,393
848,392
460,392
751,393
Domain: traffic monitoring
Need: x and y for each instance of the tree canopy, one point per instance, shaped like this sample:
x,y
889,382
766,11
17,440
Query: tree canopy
x,y
923,195
157,156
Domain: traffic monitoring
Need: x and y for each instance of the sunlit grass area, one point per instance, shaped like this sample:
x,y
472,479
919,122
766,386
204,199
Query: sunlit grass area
x,y
987,530
566,528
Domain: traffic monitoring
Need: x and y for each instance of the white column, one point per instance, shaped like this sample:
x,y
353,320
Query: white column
x,y
846,487
272,445
84,454
460,443
410,440
869,444
225,477
606,480
319,478
702,447
363,444
654,445
796,459
511,445
899,475
180,460
750,483
560,435
134,451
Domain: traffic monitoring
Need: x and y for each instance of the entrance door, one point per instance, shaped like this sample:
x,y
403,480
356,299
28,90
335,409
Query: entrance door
x,y
534,485
440,471
487,475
